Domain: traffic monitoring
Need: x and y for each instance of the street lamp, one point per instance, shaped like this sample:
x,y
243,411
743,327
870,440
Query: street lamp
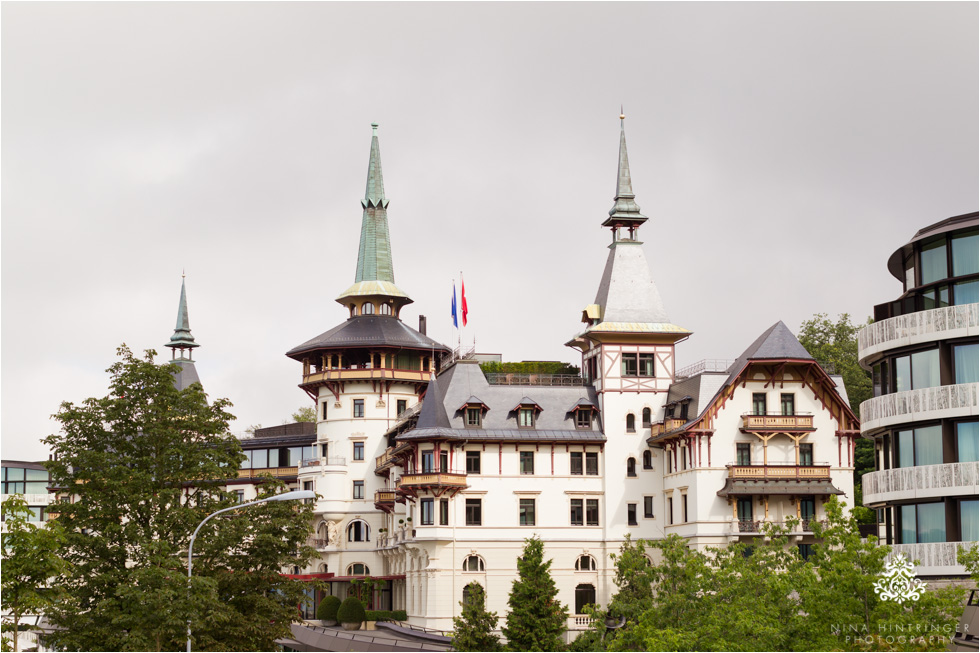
x,y
286,496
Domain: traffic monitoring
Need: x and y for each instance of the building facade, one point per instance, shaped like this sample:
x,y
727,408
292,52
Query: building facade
x,y
432,474
923,353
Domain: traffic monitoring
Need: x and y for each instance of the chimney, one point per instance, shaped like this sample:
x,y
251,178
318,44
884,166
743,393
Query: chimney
x,y
422,324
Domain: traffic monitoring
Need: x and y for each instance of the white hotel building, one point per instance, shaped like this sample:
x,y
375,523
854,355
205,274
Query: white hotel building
x,y
432,495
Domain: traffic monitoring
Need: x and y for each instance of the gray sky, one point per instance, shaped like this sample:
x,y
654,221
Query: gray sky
x,y
781,151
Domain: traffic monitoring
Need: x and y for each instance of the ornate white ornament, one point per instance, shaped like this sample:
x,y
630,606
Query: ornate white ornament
x,y
898,582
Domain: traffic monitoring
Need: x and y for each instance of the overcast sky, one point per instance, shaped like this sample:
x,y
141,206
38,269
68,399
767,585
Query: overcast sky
x,y
781,152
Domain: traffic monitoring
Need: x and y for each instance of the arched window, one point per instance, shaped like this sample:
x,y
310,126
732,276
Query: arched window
x,y
584,595
585,562
385,309
631,423
367,308
631,466
324,568
358,531
474,563
468,592
358,569
353,310
646,418
647,460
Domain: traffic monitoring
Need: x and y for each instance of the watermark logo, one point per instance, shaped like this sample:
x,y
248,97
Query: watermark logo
x,y
898,583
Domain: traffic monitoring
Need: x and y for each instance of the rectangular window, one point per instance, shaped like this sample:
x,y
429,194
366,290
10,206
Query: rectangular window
x,y
358,408
967,443
925,369
591,512
324,449
648,507
583,418
968,520
922,446
240,496
444,462
358,489
401,406
526,512
474,417
743,453
577,512
592,463
444,512
683,453
629,365
575,462
903,374
965,363
933,259
472,462
308,485
324,413
670,510
684,508
428,461
806,550
525,418
358,451
758,403
527,462
787,404
965,255
808,509
474,512
647,365
965,292
426,510
806,455
631,514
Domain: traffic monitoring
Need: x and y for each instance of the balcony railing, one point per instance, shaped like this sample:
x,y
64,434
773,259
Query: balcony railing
x,y
925,481
277,472
935,558
310,462
915,405
336,461
777,422
920,326
384,460
795,526
436,479
779,472
507,378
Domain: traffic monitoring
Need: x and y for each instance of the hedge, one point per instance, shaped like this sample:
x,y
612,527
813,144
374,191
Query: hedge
x,y
351,611
386,615
327,611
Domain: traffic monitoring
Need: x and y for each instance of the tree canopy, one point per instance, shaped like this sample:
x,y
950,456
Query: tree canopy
x,y
146,464
473,629
537,620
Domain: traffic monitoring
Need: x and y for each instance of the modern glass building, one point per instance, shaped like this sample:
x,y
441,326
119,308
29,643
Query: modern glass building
x,y
922,351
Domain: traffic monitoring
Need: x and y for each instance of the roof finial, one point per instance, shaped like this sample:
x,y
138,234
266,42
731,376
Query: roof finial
x,y
622,115
182,338
625,212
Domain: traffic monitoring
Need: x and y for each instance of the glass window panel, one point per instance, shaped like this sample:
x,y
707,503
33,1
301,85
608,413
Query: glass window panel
x,y
903,374
932,522
526,512
247,463
37,487
965,254
15,473
944,295
575,462
969,512
906,449
576,512
260,458
965,363
965,292
967,442
36,474
591,512
934,261
295,455
646,364
925,369
591,463
907,516
929,445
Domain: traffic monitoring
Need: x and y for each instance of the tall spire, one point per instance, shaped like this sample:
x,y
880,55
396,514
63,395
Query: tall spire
x,y
625,212
374,253
182,338
375,274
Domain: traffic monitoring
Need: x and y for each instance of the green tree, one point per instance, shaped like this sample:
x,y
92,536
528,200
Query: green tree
x,y
970,559
304,414
31,561
146,464
536,621
473,629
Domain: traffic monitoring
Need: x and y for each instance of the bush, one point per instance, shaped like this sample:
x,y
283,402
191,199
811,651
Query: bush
x,y
351,611
399,615
327,611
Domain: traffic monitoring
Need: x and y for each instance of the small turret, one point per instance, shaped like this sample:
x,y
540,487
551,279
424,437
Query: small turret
x,y
183,340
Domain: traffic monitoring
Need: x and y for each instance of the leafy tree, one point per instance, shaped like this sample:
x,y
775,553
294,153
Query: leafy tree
x,y
536,621
31,561
305,414
146,464
970,559
473,629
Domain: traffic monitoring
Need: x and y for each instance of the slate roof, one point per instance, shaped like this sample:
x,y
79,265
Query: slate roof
x,y
701,388
776,343
187,375
368,331
441,416
749,487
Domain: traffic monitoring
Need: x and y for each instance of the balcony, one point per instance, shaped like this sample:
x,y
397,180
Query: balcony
x,y
941,402
507,378
915,328
385,499
779,472
757,527
777,423
935,558
668,425
927,481
778,479
277,472
438,483
365,374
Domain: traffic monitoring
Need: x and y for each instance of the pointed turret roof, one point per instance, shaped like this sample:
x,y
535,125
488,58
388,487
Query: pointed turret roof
x,y
625,211
375,274
182,338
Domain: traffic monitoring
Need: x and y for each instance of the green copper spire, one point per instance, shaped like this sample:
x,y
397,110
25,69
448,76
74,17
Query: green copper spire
x,y
625,212
182,338
374,253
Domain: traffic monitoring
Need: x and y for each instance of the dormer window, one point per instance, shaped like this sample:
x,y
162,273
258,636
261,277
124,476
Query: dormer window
x,y
583,418
474,417
527,411
473,411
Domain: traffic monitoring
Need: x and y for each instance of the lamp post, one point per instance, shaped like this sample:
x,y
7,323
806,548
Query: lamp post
x,y
286,496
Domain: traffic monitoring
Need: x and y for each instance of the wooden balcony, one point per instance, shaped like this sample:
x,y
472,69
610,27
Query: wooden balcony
x,y
384,462
366,374
385,499
779,472
438,483
667,425
277,472
777,423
